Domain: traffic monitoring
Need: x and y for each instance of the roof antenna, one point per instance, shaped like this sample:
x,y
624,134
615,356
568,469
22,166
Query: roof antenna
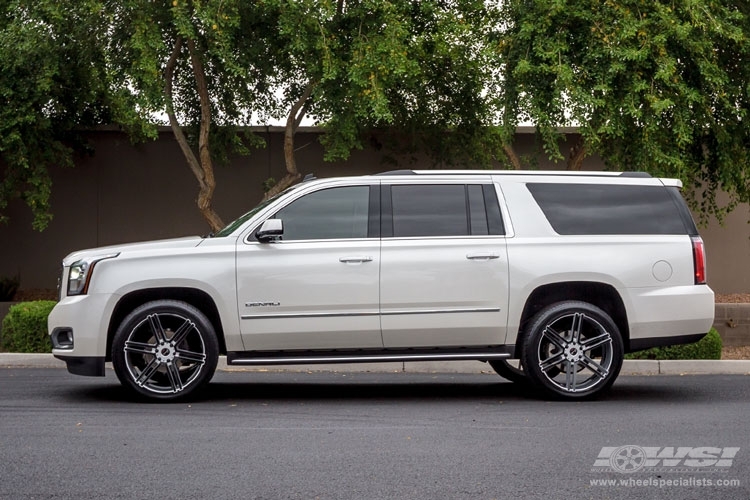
x,y
309,177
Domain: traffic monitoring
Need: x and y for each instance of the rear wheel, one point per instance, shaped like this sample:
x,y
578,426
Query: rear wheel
x,y
572,350
165,350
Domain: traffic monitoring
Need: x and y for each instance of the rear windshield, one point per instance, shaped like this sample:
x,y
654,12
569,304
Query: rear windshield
x,y
585,209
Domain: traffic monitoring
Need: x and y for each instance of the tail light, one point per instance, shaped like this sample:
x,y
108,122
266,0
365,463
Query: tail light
x,y
699,260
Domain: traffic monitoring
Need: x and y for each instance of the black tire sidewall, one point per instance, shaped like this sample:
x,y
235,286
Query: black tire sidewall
x,y
508,372
205,328
533,336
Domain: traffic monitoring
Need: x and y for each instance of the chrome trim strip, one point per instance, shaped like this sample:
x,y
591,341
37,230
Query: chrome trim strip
x,y
373,313
308,315
367,358
441,311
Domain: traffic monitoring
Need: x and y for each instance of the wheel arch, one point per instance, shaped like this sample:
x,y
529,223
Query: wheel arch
x,y
602,295
193,296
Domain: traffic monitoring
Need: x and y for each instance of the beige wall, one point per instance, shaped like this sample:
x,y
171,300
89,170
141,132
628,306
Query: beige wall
x,y
127,193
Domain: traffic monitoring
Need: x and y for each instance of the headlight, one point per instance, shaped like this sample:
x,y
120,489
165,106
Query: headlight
x,y
80,272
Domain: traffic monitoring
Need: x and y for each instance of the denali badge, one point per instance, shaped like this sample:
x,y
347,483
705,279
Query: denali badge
x,y
261,304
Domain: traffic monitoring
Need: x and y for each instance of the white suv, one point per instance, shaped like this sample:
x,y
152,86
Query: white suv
x,y
563,271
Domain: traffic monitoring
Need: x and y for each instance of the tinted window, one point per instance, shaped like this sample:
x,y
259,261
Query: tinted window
x,y
441,210
430,210
477,212
608,209
327,214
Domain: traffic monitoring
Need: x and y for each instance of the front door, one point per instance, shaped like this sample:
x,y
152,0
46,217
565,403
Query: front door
x,y
318,287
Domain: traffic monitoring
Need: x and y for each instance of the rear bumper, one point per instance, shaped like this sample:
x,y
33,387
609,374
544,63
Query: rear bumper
x,y
670,315
89,366
648,343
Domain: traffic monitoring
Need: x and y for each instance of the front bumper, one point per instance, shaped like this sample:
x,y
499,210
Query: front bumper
x,y
78,329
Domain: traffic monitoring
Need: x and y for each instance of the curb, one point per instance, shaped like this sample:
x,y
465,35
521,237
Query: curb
x,y
629,367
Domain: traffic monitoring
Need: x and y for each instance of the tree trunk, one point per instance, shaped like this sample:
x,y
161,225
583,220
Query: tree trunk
x,y
201,166
512,156
296,113
577,154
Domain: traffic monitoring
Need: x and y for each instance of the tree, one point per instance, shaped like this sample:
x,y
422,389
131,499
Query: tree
x,y
414,73
52,82
207,65
656,86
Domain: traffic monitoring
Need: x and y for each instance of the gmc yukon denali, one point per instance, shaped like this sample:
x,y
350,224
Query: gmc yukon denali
x,y
550,277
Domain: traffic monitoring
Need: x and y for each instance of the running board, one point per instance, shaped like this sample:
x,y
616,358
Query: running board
x,y
282,358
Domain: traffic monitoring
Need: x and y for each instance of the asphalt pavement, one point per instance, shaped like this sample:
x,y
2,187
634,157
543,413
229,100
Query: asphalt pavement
x,y
355,435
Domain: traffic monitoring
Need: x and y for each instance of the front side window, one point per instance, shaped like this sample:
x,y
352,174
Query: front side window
x,y
333,213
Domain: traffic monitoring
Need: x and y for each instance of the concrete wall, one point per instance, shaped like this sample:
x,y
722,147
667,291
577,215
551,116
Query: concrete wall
x,y
126,193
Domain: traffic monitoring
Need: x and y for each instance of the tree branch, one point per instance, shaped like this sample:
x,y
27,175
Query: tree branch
x,y
209,182
577,153
173,123
512,156
296,114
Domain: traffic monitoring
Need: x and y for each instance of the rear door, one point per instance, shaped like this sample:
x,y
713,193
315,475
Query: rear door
x,y
444,266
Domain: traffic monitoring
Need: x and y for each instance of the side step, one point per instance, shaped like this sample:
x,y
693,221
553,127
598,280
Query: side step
x,y
317,357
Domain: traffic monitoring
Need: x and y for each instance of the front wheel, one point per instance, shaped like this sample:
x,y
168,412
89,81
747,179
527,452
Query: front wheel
x,y
165,350
572,350
509,372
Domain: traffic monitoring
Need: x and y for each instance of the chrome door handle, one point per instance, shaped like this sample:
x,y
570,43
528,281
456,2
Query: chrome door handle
x,y
482,256
355,259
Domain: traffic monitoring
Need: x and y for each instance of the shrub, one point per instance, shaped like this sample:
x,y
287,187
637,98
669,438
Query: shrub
x,y
25,327
8,288
709,347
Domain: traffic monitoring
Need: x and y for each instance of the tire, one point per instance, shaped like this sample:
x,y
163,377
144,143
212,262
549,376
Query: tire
x,y
572,350
165,350
509,372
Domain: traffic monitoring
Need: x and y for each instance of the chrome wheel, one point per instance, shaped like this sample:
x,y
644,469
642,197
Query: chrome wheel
x,y
165,349
573,349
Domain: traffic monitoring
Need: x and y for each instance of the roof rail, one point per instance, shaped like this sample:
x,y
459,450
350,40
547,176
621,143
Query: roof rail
x,y
398,172
635,174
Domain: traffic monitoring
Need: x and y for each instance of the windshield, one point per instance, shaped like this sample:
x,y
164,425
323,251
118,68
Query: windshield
x,y
232,226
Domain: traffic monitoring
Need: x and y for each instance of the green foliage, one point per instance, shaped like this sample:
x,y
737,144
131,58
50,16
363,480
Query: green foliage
x,y
52,81
9,287
709,347
412,75
659,86
25,327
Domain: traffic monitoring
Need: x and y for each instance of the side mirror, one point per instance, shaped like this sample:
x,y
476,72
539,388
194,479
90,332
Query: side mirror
x,y
270,230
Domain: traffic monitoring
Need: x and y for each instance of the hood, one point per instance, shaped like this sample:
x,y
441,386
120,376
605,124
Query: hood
x,y
186,242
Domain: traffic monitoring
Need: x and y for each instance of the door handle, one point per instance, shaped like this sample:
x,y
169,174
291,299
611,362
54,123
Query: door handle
x,y
482,256
355,259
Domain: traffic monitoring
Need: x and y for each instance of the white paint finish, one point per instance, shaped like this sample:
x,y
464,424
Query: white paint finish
x,y
670,311
88,317
423,276
662,271
340,299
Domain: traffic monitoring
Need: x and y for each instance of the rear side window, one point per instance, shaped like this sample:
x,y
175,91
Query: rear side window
x,y
608,209
441,210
